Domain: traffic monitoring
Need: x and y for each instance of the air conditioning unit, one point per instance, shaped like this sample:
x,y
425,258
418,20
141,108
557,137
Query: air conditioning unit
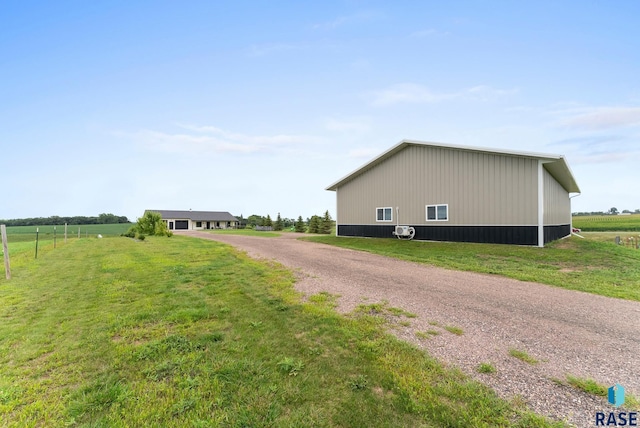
x,y
402,230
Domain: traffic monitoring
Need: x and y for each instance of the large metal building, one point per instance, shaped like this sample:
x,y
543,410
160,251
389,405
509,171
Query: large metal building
x,y
458,193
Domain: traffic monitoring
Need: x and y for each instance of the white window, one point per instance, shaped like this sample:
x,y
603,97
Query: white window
x,y
438,212
384,214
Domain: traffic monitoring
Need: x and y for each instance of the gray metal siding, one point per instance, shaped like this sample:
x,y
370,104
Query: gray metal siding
x,y
479,188
557,205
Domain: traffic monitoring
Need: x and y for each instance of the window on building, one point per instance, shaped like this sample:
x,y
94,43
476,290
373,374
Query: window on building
x,y
198,224
438,212
384,214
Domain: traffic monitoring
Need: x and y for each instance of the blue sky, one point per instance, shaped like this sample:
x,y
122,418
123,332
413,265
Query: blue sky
x,y
256,107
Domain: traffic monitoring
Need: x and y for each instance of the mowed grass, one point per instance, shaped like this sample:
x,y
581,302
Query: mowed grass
x,y
178,332
602,223
578,264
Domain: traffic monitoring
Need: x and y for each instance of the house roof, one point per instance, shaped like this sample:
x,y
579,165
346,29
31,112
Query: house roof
x,y
196,215
556,165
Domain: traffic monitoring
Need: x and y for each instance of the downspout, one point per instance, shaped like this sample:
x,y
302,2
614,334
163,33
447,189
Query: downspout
x,y
336,212
540,205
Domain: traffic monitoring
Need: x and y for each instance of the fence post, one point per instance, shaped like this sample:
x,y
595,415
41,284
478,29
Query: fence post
x,y
5,251
54,237
37,231
78,231
65,233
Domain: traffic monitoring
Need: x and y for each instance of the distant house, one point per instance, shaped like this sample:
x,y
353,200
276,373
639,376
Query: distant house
x,y
458,193
197,220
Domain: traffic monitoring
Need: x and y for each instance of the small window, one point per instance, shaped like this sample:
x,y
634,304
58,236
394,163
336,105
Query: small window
x,y
384,214
198,224
438,212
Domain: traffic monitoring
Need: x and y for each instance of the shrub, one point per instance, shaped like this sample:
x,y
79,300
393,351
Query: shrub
x,y
151,224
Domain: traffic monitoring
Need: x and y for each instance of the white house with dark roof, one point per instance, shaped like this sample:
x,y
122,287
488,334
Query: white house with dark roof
x,y
446,192
197,220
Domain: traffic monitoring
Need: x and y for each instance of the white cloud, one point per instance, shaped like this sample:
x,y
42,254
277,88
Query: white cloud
x,y
484,92
599,117
416,93
364,16
592,149
210,139
407,93
358,124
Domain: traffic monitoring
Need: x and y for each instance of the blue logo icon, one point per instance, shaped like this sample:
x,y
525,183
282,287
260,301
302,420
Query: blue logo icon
x,y
616,395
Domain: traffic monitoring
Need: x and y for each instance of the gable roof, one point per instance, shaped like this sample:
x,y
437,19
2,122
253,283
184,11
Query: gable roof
x,y
196,215
556,165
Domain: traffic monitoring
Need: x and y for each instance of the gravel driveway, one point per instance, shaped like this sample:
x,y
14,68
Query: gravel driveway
x,y
569,332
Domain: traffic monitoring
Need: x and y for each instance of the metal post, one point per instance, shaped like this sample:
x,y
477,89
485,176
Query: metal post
x,y
54,237
65,233
78,232
37,231
5,251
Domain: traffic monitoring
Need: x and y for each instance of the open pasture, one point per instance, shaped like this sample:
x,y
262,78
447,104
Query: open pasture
x,y
607,223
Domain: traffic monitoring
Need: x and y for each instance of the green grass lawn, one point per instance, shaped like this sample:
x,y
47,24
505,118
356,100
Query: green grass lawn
x,y
184,332
605,223
578,264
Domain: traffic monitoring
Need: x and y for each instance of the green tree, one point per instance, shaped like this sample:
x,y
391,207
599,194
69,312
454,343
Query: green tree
x,y
278,224
314,224
326,223
268,221
255,220
300,227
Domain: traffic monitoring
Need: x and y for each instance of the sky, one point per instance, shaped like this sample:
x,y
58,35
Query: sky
x,y
255,107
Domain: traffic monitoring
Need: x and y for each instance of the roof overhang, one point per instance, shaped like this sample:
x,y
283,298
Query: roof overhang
x,y
556,165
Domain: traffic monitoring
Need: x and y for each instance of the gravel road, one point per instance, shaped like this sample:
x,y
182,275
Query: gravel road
x,y
569,332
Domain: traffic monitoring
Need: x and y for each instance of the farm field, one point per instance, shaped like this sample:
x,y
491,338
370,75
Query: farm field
x,y
596,266
28,233
187,332
607,223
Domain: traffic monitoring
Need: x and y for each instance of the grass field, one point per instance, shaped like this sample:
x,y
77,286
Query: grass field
x,y
28,233
178,332
578,264
607,223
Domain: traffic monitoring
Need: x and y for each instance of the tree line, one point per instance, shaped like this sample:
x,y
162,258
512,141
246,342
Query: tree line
x,y
313,224
56,220
610,211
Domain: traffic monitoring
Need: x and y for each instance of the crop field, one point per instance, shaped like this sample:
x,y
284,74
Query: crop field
x,y
178,332
607,223
28,233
